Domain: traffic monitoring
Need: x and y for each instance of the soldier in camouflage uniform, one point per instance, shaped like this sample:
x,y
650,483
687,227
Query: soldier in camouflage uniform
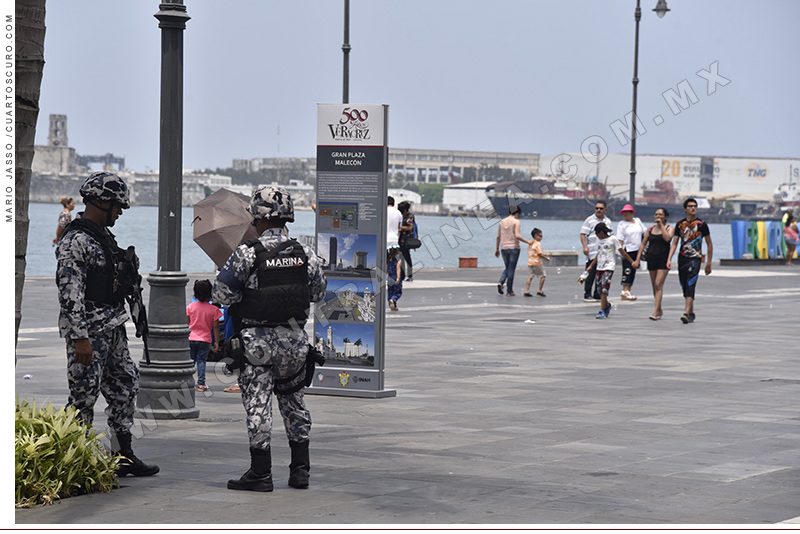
x,y
271,351
92,317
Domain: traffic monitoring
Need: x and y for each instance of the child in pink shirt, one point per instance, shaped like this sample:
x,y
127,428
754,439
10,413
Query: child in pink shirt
x,y
203,319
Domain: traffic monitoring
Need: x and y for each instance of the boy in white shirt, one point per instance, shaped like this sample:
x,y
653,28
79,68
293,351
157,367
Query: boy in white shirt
x,y
607,248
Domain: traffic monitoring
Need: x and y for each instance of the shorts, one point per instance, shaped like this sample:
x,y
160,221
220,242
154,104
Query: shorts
x,y
604,281
790,241
536,270
688,273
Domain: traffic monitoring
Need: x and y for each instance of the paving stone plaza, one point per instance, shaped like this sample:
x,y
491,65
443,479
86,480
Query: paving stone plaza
x,y
508,411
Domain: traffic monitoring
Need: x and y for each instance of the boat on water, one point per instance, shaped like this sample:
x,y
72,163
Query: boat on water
x,y
559,199
787,196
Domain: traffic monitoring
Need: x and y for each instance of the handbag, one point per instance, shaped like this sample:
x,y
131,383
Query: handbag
x,y
646,247
413,243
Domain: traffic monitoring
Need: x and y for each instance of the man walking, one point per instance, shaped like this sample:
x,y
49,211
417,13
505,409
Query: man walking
x,y
269,282
93,277
394,219
691,232
591,292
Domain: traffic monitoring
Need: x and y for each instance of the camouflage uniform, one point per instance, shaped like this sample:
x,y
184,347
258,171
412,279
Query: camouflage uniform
x,y
269,351
112,371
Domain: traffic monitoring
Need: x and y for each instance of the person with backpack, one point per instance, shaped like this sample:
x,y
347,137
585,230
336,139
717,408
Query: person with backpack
x,y
408,230
270,283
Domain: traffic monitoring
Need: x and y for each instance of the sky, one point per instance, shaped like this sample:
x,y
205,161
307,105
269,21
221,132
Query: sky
x,y
535,76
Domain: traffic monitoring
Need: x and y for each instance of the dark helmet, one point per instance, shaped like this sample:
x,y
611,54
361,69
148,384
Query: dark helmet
x,y
271,203
104,185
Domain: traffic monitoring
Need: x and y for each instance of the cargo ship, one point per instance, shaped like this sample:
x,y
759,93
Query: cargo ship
x,y
558,199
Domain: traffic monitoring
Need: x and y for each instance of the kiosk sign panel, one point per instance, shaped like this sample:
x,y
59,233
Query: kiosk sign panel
x,y
351,240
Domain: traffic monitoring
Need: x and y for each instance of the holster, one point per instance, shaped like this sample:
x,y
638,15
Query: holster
x,y
233,352
303,377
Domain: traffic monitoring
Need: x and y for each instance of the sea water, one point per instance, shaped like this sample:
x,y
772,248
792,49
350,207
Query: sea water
x,y
445,239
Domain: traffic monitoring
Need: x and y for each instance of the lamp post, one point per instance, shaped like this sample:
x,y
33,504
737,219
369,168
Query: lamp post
x,y
346,53
661,10
167,380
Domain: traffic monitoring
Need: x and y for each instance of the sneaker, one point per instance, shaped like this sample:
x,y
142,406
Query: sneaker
x,y
685,319
511,294
601,315
607,309
500,288
691,317
589,299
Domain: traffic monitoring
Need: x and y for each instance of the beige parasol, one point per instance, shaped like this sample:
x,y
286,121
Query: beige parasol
x,y
221,223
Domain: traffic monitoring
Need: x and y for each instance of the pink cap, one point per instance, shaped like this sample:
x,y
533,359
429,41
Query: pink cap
x,y
627,207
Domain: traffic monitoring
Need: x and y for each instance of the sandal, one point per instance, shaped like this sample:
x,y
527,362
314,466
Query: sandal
x,y
655,317
201,387
233,389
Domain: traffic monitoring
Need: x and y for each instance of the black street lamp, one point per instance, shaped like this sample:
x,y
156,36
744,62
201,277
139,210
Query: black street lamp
x,y
346,53
167,380
661,10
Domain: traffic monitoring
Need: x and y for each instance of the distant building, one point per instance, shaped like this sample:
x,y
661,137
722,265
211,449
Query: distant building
x,y
445,166
461,197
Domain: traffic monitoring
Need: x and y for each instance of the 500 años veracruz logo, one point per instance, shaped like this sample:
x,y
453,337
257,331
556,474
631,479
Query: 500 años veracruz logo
x,y
351,126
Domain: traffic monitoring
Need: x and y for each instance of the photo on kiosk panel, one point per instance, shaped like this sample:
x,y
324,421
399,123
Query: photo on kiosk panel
x,y
348,255
349,301
346,344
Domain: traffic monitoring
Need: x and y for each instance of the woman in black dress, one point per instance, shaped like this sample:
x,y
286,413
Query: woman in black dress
x,y
658,238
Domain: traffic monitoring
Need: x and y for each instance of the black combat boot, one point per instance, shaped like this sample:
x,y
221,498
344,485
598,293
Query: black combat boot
x,y
259,476
300,466
129,464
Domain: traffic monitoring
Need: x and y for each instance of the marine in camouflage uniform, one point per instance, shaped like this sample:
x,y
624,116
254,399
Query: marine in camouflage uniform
x,y
98,359
270,352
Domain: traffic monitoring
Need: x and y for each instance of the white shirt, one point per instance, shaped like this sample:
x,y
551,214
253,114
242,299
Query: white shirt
x,y
607,253
588,230
393,220
631,233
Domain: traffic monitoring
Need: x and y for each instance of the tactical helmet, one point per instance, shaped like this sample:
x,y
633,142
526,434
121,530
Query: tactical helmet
x,y
272,203
104,185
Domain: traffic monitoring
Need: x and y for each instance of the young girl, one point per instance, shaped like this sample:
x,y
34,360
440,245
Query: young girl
x,y
394,276
202,318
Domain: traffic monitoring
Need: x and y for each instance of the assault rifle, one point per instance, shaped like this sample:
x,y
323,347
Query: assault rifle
x,y
136,302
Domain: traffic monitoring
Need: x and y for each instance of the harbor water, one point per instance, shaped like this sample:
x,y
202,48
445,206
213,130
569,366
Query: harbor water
x,y
445,239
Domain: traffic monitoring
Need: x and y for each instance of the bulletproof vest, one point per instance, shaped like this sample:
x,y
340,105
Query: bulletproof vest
x,y
112,283
282,297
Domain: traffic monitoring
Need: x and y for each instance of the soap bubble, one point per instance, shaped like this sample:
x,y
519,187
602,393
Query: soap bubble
x,y
450,296
469,295
27,377
423,299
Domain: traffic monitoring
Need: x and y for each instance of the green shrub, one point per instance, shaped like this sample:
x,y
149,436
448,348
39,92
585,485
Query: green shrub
x,y
56,457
